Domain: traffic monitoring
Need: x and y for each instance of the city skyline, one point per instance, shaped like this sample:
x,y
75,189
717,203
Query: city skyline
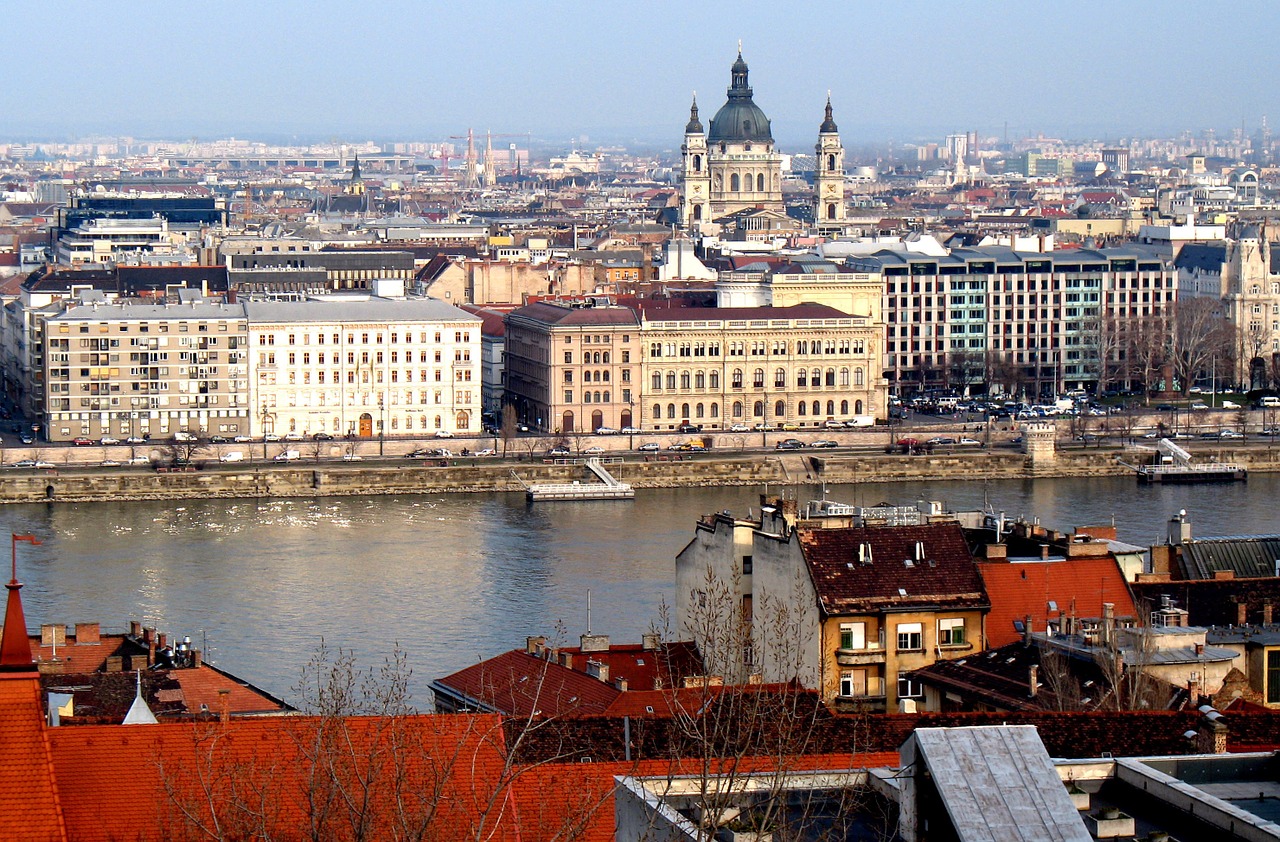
x,y
567,71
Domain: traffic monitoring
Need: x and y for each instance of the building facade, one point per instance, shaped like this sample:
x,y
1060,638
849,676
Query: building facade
x,y
1032,323
146,370
573,367
364,366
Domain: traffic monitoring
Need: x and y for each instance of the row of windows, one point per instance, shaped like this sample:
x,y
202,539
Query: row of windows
x,y
738,408
461,355
396,336
804,379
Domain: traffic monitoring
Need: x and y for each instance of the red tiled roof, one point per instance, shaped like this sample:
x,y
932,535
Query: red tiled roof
x,y
798,311
555,315
29,803
643,669
1018,589
946,576
521,684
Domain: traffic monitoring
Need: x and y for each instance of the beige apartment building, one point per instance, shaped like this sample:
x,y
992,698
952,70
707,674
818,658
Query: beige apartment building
x,y
573,366
364,366
125,370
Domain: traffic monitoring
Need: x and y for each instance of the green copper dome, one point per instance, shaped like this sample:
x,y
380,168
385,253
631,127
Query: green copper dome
x,y
740,119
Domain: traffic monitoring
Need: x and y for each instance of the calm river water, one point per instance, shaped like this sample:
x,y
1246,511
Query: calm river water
x,y
457,578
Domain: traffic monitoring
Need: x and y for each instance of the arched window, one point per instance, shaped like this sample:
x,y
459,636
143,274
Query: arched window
x,y
684,380
464,420
698,411
606,375
857,377
759,409
802,378
438,423
596,358
671,379
715,410
657,380
757,378
671,410
831,210
597,420
606,396
684,411
779,409
760,183
697,163
800,408
817,407
586,397
657,410
735,183
815,378
857,407
831,377
831,163
737,378
844,377
566,422
831,407
700,380
780,378
715,380
697,213
844,407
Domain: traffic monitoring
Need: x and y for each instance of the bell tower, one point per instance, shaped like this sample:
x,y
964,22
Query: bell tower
x,y
828,184
695,195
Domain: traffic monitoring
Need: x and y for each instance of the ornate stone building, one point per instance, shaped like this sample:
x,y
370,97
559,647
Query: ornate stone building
x,y
736,165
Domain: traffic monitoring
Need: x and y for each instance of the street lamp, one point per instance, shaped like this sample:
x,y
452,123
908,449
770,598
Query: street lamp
x,y
631,425
264,431
382,422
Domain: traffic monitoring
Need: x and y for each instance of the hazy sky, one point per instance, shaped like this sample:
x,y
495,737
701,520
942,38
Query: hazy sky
x,y
624,71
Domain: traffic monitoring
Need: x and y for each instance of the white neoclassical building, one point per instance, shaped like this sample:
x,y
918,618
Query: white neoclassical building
x,y
364,366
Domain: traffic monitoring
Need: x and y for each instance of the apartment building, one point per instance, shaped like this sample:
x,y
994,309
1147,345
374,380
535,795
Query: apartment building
x,y
128,369
364,366
1032,322
573,366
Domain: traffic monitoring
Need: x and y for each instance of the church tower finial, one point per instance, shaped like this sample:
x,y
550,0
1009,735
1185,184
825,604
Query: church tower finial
x,y
695,125
828,124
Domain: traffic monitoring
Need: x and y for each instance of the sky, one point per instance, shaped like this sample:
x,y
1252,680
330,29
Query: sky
x,y
623,72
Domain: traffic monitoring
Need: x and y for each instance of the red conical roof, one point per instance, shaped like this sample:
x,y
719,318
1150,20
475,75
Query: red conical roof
x,y
15,646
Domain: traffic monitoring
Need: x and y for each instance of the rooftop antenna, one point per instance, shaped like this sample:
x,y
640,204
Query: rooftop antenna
x,y
588,610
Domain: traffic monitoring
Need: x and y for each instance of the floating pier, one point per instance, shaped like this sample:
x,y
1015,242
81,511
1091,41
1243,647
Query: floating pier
x,y
608,488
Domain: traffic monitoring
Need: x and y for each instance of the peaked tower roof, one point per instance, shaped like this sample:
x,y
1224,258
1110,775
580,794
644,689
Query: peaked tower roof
x,y
695,125
828,125
15,646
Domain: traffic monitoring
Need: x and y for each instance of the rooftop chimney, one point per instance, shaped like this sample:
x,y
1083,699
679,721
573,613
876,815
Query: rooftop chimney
x,y
650,642
594,642
598,670
1033,680
88,633
224,706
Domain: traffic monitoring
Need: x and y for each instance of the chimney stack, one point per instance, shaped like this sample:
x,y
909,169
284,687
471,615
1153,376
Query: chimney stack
x,y
1266,613
1242,613
1033,680
1026,630
88,633
224,706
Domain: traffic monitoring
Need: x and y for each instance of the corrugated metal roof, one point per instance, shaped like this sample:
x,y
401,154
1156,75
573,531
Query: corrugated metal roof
x,y
1248,557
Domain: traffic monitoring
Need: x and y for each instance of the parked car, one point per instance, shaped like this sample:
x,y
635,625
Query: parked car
x,y
25,463
27,438
606,431
288,456
968,442
322,437
293,436
594,450
739,428
824,443
789,444
232,456
135,440
218,439
108,440
1199,406
237,439
271,437
790,427
559,450
765,427
352,457
832,424
1230,405
182,435
696,448
629,431
109,463
689,428
443,434
649,447
1229,434
941,440
81,441
679,446
488,451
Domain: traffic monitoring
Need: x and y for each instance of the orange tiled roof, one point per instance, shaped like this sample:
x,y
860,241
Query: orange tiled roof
x,y
1017,589
29,803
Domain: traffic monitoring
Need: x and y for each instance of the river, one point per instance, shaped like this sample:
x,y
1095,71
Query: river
x,y
458,578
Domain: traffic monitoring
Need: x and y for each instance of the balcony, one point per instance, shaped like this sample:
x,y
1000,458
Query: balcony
x,y
872,654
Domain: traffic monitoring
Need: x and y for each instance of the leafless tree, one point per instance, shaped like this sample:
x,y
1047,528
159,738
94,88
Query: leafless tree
x,y
1199,333
1146,350
510,427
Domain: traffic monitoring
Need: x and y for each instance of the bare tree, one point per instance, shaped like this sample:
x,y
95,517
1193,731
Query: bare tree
x,y
1146,350
1199,333
510,427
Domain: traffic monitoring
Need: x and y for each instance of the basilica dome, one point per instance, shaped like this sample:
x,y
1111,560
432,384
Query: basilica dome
x,y
740,119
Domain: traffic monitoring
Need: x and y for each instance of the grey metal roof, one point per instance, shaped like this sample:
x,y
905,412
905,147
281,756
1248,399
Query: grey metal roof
x,y
1247,556
1207,257
150,312
999,783
1004,256
333,308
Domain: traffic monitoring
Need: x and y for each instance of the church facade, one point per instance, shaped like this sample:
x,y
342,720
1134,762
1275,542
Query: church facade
x,y
734,165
